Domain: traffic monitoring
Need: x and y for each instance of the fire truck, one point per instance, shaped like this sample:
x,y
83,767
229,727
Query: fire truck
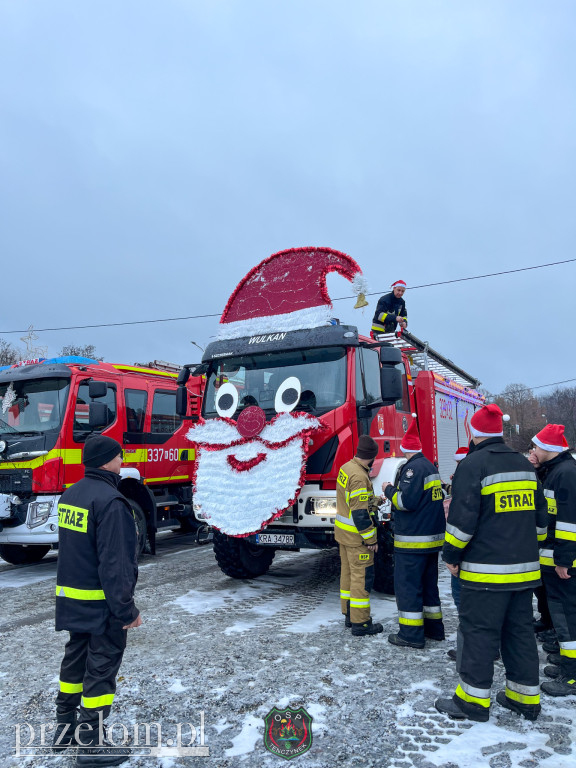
x,y
354,385
48,408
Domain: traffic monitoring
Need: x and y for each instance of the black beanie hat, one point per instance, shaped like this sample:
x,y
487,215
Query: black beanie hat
x,y
99,450
367,448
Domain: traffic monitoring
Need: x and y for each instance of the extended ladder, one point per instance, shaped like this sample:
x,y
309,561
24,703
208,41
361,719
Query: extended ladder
x,y
422,356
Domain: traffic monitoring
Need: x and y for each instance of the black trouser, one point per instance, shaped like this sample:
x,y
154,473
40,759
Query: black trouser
x,y
88,674
562,603
417,596
543,609
492,620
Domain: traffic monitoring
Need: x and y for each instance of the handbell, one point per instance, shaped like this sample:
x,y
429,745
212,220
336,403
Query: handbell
x,y
360,301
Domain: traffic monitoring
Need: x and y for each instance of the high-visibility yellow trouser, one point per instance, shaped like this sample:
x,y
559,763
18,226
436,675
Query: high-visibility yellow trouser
x,y
356,579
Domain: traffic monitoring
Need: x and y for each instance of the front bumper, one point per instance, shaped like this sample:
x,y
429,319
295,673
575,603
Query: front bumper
x,y
30,532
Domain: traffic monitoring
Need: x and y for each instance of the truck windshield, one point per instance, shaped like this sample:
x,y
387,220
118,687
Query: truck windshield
x,y
317,382
33,405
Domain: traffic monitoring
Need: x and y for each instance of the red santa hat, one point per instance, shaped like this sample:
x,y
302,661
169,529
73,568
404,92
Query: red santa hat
x,y
487,422
399,283
287,292
411,440
461,453
551,438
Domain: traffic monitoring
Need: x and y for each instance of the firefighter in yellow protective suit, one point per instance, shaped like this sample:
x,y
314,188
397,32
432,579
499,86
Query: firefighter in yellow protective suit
x,y
355,532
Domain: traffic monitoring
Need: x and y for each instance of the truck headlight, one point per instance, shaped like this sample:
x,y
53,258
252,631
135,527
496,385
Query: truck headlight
x,y
324,506
38,513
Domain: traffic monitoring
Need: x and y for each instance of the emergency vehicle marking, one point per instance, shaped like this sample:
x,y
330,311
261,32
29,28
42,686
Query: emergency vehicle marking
x,y
74,518
510,502
446,407
267,337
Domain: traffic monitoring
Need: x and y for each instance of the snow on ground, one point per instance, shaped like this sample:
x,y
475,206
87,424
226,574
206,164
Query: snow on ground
x,y
235,649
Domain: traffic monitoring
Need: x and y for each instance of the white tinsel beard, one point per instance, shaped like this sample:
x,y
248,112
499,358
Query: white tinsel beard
x,y
243,502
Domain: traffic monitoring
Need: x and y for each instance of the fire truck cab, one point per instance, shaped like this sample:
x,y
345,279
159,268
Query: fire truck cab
x,y
48,409
353,385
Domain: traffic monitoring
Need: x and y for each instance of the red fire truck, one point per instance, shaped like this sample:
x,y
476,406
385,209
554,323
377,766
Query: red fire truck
x,y
47,410
354,385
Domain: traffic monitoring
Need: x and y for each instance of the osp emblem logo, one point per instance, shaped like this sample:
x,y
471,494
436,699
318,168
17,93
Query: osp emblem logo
x,y
288,732
380,424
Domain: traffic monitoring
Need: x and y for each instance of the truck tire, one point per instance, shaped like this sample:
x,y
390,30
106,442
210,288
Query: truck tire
x,y
384,561
240,559
141,523
19,555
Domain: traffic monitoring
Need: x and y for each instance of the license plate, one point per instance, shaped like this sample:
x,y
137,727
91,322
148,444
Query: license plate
x,y
275,538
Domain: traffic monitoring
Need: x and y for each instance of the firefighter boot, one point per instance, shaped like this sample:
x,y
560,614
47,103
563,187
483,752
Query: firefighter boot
x,y
450,707
529,711
564,685
367,628
551,646
347,622
399,641
553,658
64,733
552,671
97,752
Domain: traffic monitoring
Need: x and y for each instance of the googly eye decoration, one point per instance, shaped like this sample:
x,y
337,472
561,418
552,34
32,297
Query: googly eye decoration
x,y
227,400
288,395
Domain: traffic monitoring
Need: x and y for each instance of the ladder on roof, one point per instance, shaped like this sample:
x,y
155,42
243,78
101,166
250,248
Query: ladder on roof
x,y
161,365
422,356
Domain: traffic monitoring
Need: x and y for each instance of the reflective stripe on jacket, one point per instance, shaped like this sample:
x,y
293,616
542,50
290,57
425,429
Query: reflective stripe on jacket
x,y
418,502
558,477
354,525
497,514
97,567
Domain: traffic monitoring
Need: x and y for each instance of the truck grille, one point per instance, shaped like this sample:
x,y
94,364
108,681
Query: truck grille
x,y
15,481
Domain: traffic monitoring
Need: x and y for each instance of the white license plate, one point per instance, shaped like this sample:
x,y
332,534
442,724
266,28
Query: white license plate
x,y
275,538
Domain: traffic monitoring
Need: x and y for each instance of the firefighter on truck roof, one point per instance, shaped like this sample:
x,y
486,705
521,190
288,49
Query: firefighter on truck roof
x,y
390,310
497,516
419,525
557,472
97,572
355,532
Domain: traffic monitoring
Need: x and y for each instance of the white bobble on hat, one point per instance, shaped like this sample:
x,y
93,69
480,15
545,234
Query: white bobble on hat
x,y
505,417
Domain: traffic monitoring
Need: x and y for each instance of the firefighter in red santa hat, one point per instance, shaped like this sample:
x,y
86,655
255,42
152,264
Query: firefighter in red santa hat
x,y
557,471
497,513
390,310
419,524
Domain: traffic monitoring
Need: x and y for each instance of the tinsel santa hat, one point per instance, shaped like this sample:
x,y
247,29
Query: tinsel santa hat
x,y
551,438
461,453
287,292
411,440
487,422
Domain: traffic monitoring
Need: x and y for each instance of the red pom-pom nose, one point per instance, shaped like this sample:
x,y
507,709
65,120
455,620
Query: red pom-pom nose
x,y
251,421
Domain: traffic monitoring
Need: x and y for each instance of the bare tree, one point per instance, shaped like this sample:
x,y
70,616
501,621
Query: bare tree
x,y
88,350
9,354
525,413
559,407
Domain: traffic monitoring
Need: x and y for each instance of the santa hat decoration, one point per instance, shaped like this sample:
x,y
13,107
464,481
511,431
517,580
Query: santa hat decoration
x,y
551,438
461,453
411,440
287,292
487,422
398,284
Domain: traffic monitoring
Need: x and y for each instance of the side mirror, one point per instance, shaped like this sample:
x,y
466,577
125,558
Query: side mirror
x,y
97,389
390,355
97,414
182,400
183,376
390,384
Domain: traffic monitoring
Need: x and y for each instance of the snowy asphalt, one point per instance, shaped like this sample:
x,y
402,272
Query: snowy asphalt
x,y
235,649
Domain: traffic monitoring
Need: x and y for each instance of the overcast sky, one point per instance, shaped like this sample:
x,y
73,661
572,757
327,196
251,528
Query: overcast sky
x,y
152,152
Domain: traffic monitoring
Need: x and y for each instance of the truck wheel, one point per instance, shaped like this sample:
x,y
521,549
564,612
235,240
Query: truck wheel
x,y
140,519
384,561
239,558
19,555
